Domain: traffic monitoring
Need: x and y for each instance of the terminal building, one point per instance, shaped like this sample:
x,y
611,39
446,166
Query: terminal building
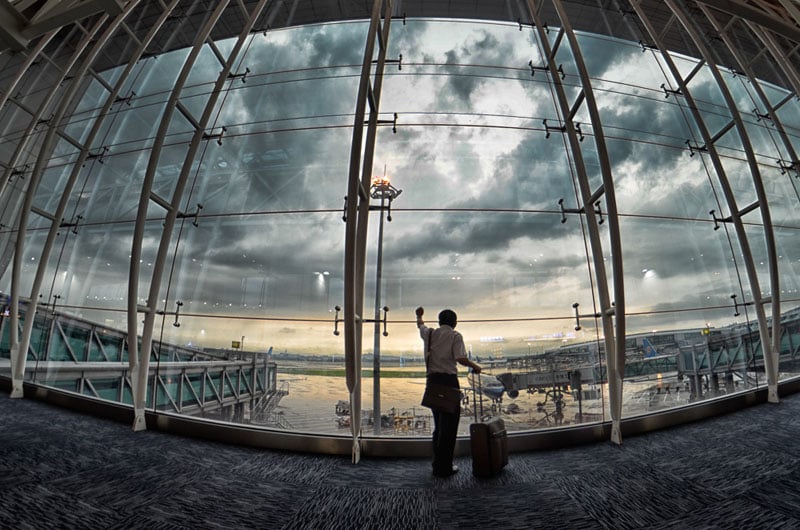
x,y
217,218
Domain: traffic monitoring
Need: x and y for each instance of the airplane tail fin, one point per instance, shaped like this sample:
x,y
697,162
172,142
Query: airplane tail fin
x,y
649,349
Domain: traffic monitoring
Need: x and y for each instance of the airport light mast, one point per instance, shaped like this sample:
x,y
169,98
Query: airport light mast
x,y
381,189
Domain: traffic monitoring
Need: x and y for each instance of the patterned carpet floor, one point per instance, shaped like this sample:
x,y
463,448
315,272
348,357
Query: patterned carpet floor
x,y
60,469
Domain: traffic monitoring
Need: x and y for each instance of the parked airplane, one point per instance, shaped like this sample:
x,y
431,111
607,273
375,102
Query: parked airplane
x,y
489,386
491,361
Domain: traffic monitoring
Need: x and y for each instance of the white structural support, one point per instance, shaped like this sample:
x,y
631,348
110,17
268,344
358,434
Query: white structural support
x,y
19,355
770,111
57,217
770,344
31,56
140,358
173,210
37,115
770,355
5,183
357,211
613,328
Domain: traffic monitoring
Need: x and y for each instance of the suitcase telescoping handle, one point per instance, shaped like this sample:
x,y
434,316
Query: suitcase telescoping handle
x,y
475,395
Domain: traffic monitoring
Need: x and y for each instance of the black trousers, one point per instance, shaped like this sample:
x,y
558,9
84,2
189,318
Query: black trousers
x,y
445,428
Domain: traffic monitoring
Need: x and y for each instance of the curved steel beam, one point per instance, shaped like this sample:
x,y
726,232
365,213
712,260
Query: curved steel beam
x,y
174,206
770,347
771,111
23,69
140,360
614,336
761,17
357,212
769,41
18,355
616,361
730,197
43,107
82,157
6,192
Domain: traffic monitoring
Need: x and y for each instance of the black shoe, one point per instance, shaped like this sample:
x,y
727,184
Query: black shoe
x,y
446,473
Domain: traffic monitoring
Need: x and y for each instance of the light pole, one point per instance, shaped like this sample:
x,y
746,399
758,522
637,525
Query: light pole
x,y
381,189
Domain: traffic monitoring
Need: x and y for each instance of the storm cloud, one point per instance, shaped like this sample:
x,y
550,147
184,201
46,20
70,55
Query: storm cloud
x,y
478,226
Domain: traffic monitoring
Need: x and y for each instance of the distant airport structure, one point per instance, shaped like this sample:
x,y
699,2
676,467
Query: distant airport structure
x,y
612,186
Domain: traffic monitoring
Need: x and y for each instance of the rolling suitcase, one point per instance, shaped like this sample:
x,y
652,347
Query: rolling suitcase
x,y
488,442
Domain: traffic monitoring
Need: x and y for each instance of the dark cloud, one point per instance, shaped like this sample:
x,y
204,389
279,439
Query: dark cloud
x,y
328,45
600,54
464,61
475,234
287,149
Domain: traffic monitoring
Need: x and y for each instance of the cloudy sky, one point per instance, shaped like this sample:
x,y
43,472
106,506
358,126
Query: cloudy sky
x,y
477,227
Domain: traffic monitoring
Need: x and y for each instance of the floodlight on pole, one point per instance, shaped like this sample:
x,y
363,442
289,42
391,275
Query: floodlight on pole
x,y
381,189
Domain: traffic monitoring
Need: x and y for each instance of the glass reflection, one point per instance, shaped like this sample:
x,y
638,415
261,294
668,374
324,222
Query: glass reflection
x,y
666,369
255,275
696,270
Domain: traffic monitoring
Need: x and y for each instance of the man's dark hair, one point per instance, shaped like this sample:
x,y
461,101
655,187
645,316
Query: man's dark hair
x,y
448,317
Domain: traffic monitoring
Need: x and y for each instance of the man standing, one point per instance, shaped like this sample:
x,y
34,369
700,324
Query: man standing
x,y
444,347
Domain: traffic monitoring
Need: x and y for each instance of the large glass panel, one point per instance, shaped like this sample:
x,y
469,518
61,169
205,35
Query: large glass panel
x,y
266,265
254,274
131,122
110,190
159,73
290,171
660,180
788,242
694,270
512,279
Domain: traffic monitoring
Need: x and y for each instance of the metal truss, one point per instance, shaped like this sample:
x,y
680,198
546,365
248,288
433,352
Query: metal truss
x,y
24,20
90,359
613,329
172,206
65,102
709,147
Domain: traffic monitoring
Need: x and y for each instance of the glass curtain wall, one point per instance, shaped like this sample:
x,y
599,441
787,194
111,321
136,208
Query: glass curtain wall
x,y
487,224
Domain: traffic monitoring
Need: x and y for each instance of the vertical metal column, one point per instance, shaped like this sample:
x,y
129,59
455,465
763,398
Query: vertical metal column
x,y
770,346
173,207
614,336
55,222
30,58
140,360
376,355
18,355
357,212
770,357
